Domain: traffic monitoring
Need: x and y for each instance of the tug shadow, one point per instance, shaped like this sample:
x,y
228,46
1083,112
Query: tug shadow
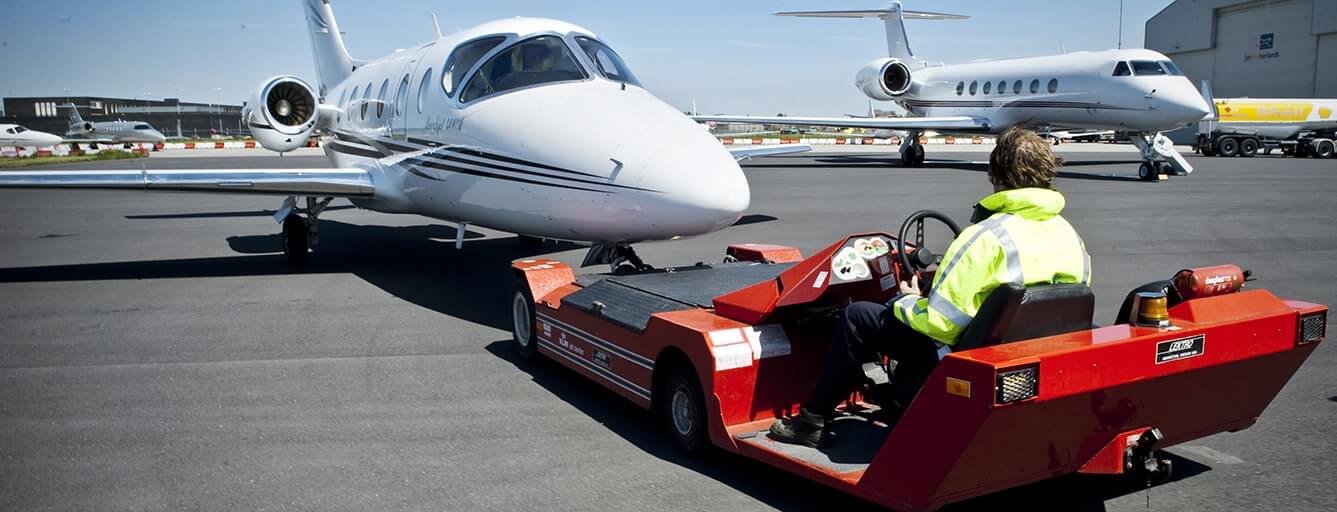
x,y
785,491
418,264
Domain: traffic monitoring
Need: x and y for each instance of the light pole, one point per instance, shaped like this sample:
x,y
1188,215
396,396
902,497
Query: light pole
x,y
218,92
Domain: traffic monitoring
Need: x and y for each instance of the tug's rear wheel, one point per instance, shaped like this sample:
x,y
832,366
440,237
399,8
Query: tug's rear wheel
x,y
522,318
682,409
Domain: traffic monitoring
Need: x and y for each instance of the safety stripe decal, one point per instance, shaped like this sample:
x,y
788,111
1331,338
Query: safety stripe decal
x,y
1009,252
640,360
606,374
944,307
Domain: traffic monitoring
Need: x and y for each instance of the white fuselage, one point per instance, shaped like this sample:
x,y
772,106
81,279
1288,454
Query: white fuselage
x,y
18,136
588,159
120,131
1085,93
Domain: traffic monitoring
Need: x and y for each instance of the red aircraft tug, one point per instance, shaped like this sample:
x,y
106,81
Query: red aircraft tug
x,y
1034,390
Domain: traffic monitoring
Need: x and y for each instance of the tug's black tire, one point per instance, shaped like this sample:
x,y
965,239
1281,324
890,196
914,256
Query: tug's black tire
x,y
523,326
682,410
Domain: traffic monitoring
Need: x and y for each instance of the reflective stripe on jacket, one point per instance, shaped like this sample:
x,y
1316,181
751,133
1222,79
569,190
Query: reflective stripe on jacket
x,y
1025,241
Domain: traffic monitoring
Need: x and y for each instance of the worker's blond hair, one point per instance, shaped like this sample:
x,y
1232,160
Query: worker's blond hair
x,y
1022,159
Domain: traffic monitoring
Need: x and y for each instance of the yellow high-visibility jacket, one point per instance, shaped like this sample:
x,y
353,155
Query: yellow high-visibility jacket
x,y
1024,241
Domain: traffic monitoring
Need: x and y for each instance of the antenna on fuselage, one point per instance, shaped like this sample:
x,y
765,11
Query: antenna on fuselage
x,y
436,27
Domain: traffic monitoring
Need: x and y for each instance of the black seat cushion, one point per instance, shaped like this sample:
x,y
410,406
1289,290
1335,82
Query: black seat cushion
x,y
1014,312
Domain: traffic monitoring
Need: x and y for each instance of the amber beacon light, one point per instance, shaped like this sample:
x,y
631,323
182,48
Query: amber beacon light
x,y
1149,310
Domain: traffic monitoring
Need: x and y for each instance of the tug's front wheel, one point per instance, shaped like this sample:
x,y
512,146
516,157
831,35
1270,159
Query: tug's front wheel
x,y
682,410
522,318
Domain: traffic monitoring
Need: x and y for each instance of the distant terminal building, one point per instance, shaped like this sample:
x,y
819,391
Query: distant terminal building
x,y
1255,48
172,117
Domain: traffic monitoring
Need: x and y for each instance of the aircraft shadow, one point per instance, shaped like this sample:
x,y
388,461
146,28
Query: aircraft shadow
x,y
785,491
418,264
755,218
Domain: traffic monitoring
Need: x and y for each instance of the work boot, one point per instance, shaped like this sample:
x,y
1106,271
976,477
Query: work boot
x,y
807,428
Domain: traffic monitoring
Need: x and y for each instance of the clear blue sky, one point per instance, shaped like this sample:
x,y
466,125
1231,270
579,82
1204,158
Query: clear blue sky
x,y
730,56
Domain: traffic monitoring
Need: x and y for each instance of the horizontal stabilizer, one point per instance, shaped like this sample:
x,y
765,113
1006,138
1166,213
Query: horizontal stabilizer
x,y
874,13
286,182
946,123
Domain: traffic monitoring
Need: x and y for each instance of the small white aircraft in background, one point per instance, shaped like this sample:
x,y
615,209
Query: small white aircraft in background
x,y
109,132
490,126
18,136
1140,92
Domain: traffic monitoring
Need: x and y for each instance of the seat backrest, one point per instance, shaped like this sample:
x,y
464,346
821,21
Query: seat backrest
x,y
1013,312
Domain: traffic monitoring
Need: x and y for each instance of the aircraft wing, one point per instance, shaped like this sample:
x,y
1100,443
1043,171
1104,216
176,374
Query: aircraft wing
x,y
743,153
283,182
952,123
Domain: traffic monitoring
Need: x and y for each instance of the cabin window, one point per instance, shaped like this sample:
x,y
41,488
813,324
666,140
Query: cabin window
x,y
1016,87
537,61
1002,87
463,58
342,95
422,87
1035,86
366,99
606,62
1147,68
973,86
402,96
380,99
1121,69
960,88
1053,85
988,86
351,99
1171,68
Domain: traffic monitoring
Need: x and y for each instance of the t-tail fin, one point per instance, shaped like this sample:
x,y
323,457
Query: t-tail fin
x,y
898,43
77,124
333,64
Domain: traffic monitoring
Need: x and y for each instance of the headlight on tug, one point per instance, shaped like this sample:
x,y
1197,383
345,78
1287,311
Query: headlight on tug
x,y
1017,384
1312,328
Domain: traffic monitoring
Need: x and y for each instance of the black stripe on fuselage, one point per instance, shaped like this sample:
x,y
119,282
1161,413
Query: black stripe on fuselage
x,y
390,147
483,174
494,156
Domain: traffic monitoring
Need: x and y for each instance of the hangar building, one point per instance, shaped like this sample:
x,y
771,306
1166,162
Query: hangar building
x,y
172,117
1256,48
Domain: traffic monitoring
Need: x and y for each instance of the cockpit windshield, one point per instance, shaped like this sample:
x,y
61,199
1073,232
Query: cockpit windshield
x,y
1171,68
17,129
606,61
143,127
541,60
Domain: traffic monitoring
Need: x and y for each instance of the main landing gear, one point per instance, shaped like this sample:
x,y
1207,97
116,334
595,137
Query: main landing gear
x,y
1159,157
912,152
300,227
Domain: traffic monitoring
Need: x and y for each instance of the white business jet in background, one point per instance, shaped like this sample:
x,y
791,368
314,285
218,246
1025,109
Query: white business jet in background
x,y
109,132
1139,92
525,125
20,137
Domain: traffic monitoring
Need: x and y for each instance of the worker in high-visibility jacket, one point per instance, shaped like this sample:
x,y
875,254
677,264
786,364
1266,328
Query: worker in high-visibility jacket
x,y
1019,238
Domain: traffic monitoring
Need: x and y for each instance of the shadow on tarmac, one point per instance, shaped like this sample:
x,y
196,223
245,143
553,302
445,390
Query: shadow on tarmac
x,y
418,264
784,491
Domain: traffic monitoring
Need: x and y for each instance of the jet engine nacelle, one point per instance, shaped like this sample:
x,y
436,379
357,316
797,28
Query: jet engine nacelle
x,y
282,113
884,79
88,127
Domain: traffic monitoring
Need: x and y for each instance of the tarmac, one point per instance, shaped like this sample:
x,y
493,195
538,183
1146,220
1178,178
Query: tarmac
x,y
157,353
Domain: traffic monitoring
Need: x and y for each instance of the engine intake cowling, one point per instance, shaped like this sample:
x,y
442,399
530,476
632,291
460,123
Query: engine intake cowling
x,y
282,113
884,79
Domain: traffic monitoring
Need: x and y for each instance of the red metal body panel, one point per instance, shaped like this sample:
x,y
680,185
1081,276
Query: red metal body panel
x,y
764,253
1096,387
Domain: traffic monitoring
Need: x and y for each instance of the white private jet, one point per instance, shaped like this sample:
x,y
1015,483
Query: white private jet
x,y
1140,92
18,136
525,125
110,132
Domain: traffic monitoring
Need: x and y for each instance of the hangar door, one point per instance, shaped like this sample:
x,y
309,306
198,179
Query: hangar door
x,y
1265,50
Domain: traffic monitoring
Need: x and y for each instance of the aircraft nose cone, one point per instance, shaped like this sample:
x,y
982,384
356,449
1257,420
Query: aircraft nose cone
x,y
724,196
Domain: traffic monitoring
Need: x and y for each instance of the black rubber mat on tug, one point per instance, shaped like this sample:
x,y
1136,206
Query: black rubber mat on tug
x,y
629,300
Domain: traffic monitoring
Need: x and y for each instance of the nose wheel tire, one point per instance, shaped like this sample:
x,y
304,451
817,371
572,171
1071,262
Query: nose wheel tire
x,y
913,157
296,239
1147,172
682,409
522,320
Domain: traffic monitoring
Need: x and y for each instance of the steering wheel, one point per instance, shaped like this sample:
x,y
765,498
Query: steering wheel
x,y
922,258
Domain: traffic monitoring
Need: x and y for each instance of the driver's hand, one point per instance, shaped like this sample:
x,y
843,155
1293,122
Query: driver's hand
x,y
912,287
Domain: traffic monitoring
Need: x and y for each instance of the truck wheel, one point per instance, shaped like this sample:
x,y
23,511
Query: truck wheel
x,y
1323,149
522,319
683,410
1248,148
1228,147
1208,150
